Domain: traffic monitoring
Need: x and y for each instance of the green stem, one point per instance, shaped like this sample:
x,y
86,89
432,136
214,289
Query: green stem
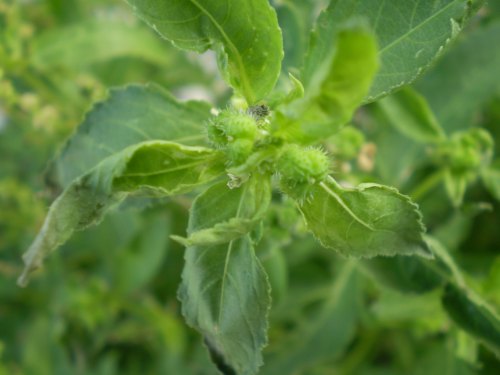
x,y
427,185
360,353
244,170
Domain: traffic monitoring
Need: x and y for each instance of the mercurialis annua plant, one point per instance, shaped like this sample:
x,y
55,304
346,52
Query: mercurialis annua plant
x,y
285,156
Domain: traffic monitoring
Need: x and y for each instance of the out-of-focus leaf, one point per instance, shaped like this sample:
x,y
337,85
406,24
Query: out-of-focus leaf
x,y
444,257
90,42
416,275
155,167
331,102
397,156
455,185
20,211
464,80
410,36
325,337
37,356
408,112
491,285
130,115
354,64
393,308
491,179
367,221
143,257
274,262
452,232
129,246
245,34
440,359
470,313
294,25
407,274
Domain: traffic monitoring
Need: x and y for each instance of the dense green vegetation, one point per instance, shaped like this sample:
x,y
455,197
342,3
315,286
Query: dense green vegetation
x,y
249,187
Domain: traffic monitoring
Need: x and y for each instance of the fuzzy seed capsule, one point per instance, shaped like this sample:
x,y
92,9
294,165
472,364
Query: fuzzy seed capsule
x,y
239,150
234,132
301,167
230,125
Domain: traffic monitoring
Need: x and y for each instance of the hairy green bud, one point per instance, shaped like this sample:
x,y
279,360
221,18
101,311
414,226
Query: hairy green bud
x,y
231,125
239,150
301,167
216,136
234,132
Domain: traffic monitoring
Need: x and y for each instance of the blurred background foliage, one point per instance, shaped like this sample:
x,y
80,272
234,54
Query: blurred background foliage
x,y
106,303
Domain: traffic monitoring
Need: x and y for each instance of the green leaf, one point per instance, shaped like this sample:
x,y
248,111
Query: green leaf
x,y
415,274
453,272
491,179
325,337
225,295
419,275
465,79
89,42
351,73
295,92
455,184
156,168
347,79
440,357
129,246
275,265
409,112
130,115
162,168
392,308
225,292
245,34
295,20
472,314
406,274
220,214
367,221
410,34
396,153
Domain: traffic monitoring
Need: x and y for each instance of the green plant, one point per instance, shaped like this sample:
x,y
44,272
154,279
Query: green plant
x,y
279,143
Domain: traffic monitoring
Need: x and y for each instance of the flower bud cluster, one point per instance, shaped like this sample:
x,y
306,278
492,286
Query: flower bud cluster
x,y
466,152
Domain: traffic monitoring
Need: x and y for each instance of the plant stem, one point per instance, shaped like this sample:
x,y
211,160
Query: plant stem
x,y
427,185
359,353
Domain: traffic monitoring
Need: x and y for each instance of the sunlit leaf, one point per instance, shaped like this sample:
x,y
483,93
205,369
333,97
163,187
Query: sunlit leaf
x,y
366,221
245,34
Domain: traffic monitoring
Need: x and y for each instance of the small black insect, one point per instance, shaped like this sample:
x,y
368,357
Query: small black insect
x,y
259,111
